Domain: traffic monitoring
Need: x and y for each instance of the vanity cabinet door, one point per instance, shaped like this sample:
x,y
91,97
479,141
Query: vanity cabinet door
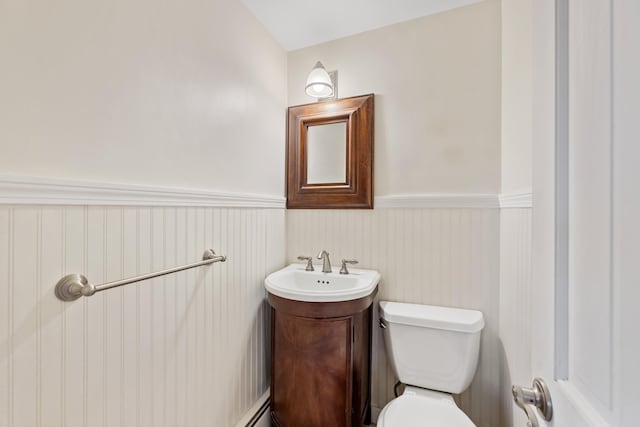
x,y
321,362
312,371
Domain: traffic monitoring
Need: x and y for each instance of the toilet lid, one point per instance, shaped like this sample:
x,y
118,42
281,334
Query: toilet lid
x,y
420,411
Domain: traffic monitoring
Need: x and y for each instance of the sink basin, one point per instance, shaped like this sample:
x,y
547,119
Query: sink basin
x,y
294,283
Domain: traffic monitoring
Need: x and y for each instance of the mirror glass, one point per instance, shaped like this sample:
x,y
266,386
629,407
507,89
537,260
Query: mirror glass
x,y
327,153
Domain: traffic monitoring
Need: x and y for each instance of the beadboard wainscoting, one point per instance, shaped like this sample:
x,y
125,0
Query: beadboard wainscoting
x,y
441,256
187,349
515,308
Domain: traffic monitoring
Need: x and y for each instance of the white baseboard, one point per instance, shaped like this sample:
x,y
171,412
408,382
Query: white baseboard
x,y
258,414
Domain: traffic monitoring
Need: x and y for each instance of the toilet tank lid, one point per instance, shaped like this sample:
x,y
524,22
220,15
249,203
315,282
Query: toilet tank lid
x,y
431,316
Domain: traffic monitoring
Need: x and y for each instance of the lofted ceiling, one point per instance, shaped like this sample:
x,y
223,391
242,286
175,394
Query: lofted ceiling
x,y
300,23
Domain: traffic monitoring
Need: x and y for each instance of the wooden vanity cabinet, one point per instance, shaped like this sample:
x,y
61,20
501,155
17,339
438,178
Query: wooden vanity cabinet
x,y
321,362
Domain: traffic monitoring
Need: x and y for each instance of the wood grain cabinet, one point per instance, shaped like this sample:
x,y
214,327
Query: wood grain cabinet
x,y
321,362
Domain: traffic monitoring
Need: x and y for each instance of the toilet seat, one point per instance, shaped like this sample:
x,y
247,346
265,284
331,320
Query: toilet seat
x,y
431,409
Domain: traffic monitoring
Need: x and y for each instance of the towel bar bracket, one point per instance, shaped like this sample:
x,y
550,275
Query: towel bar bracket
x,y
73,286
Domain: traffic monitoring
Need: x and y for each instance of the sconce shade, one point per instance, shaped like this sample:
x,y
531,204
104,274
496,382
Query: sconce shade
x,y
319,83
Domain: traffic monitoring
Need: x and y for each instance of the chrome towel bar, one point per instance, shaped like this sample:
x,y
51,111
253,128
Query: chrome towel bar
x,y
74,286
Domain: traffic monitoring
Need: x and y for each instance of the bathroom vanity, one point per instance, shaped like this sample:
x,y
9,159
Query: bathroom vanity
x,y
321,354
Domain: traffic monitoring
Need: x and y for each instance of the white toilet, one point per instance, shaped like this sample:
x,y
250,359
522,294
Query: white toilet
x,y
434,352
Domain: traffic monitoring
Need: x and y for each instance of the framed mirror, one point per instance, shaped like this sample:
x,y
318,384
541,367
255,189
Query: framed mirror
x,y
330,154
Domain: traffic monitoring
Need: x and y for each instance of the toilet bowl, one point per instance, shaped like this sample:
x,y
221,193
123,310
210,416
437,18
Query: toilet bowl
x,y
420,408
434,352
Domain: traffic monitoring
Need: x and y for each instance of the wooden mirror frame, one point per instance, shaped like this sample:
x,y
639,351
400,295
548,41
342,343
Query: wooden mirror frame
x,y
357,191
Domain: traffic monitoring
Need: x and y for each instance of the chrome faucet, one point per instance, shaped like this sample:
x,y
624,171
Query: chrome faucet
x,y
326,263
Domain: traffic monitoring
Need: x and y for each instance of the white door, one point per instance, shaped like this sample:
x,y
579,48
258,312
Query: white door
x,y
586,214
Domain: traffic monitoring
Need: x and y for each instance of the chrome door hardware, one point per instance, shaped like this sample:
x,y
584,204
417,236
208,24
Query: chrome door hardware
x,y
309,260
538,395
344,270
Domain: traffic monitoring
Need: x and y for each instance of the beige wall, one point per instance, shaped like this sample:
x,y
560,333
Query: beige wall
x,y
187,94
437,86
517,87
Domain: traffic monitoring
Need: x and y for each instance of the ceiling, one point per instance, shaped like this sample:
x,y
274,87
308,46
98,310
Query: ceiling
x,y
300,23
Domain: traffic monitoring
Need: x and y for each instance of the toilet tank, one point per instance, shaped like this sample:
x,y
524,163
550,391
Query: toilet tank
x,y
432,347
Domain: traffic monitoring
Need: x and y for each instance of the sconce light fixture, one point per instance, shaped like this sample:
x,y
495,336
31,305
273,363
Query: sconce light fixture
x,y
319,83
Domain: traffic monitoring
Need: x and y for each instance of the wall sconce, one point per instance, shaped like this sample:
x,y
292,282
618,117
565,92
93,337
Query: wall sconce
x,y
321,84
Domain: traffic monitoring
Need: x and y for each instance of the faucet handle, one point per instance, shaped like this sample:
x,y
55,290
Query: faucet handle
x,y
343,269
309,260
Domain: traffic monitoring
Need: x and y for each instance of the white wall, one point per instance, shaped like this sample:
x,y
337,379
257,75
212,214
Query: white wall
x,y
193,95
626,128
515,224
184,349
515,310
437,86
427,256
437,130
179,94
184,94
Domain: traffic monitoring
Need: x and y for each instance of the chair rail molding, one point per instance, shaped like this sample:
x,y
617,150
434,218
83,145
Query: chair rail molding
x,y
30,190
21,190
437,200
522,199
516,200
